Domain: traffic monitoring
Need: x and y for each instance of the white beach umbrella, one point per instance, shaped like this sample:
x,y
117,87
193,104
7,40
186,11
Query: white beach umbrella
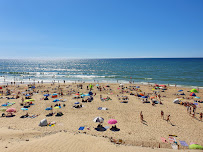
x,y
98,119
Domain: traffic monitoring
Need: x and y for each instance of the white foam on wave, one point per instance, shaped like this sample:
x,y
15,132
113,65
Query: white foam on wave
x,y
85,76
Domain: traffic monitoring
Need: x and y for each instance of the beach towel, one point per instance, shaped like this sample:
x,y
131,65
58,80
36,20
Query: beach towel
x,y
163,140
171,139
102,108
183,143
81,128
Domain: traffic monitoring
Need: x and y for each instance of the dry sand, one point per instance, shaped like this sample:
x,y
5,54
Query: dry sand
x,y
25,134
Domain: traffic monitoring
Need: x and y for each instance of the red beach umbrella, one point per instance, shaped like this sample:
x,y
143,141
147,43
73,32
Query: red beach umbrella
x,y
162,85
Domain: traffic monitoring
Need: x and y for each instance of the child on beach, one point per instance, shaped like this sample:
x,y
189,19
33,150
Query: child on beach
x,y
201,114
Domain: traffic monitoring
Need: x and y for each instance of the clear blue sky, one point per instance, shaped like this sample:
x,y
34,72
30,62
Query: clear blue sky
x,y
101,28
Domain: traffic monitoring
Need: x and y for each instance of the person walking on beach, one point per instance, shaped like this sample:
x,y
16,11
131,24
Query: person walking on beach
x,y
162,114
168,118
141,116
201,116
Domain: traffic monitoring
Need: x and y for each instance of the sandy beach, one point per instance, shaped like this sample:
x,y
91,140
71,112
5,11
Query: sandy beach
x,y
25,134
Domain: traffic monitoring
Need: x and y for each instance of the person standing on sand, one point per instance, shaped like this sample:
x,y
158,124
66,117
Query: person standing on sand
x,y
168,118
162,114
141,116
201,116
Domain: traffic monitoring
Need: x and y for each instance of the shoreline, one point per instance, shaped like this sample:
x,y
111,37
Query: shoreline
x,y
93,81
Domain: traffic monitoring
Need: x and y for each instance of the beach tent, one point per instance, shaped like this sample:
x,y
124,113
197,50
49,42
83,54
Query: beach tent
x,y
192,94
55,95
176,101
43,123
194,90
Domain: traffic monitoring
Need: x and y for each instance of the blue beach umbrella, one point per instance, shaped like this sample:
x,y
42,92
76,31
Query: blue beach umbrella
x,y
49,108
27,95
197,97
138,87
56,100
46,95
144,97
77,102
180,90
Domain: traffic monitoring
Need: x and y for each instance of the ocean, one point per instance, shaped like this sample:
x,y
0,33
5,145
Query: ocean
x,y
179,71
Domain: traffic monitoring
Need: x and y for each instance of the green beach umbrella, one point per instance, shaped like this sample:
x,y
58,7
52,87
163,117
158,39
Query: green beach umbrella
x,y
194,90
195,146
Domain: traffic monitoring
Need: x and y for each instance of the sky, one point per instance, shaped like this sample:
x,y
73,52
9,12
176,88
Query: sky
x,y
101,28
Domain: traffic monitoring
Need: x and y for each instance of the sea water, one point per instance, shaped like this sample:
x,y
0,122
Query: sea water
x,y
179,71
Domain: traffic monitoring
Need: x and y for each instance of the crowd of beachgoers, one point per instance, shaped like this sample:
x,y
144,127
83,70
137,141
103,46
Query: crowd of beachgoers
x,y
157,116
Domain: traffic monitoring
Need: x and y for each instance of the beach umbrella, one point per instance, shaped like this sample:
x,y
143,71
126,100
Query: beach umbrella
x,y
194,90
112,121
144,97
57,107
77,94
24,109
152,97
3,109
11,110
56,100
49,108
77,103
195,146
197,97
192,94
31,99
27,95
27,101
55,94
180,90
0,87
141,94
46,95
98,119
162,85
137,86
